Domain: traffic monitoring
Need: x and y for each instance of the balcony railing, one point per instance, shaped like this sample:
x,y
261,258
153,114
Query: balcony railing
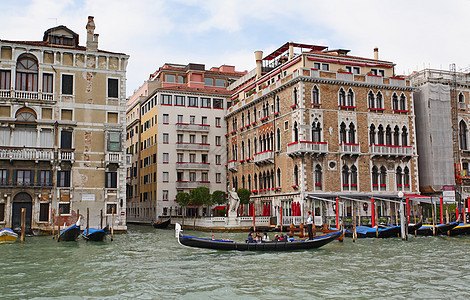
x,y
192,166
67,155
27,154
350,149
462,106
232,165
264,157
192,146
26,183
374,79
192,127
390,150
26,95
192,184
301,147
113,158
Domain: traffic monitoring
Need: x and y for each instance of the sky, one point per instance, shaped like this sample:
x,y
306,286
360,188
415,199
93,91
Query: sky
x,y
412,34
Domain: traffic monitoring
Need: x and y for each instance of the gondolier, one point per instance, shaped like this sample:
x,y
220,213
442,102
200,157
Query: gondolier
x,y
309,225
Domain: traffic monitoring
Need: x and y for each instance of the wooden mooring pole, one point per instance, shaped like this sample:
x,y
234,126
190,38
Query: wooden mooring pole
x,y
23,221
101,219
354,222
112,223
87,221
58,226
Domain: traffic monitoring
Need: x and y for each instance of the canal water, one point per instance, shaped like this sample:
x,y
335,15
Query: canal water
x,y
148,263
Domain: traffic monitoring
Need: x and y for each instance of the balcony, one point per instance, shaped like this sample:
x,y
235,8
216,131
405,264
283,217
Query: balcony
x,y
27,154
350,149
192,184
26,95
192,127
192,146
67,155
113,158
462,106
390,150
374,79
232,165
307,147
192,166
264,157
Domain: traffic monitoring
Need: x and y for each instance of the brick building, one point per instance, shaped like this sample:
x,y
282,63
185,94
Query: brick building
x,y
309,126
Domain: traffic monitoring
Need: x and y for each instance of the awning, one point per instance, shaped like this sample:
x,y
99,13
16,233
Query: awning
x,y
220,207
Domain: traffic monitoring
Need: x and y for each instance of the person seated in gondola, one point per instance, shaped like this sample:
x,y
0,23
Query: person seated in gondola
x,y
282,238
258,238
250,238
266,237
276,237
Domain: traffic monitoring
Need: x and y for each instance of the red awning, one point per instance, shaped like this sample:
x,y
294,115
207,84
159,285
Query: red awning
x,y
220,207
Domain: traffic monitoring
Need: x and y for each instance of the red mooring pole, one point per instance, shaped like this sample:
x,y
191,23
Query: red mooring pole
x,y
408,209
372,209
442,210
337,212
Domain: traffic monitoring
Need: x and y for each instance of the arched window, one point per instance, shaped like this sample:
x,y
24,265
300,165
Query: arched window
x,y
315,95
243,181
278,176
380,135
255,181
254,114
342,133
379,100
461,101
399,177
406,178
316,131
345,177
402,102
27,73
248,152
278,139
371,99
404,136
264,143
248,118
243,150
267,109
24,135
395,101
296,132
243,119
375,178
255,145
383,178
236,183
388,135
463,135
295,95
353,178
249,182
278,104
396,136
260,178
372,134
350,98
352,133
342,97
296,175
265,183
318,178
271,141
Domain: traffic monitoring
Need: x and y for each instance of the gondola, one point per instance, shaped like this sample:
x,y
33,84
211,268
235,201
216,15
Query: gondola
x,y
266,246
461,229
427,230
70,233
162,225
413,227
371,232
95,235
8,236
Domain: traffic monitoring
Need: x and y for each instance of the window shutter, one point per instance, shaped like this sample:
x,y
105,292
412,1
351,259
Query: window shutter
x,y
7,179
114,179
50,178
39,178
67,178
106,179
13,176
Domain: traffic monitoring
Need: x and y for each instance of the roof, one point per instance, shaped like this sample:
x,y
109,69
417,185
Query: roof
x,y
182,88
285,47
57,28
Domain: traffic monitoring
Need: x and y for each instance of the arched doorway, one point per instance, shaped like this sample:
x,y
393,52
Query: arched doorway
x,y
22,200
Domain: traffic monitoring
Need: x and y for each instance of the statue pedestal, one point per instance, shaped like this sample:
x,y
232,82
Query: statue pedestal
x,y
232,221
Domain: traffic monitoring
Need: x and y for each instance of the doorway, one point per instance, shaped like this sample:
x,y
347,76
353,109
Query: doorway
x,y
22,200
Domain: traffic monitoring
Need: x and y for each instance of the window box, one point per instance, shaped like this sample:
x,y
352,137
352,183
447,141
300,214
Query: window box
x,y
233,132
346,106
294,105
276,113
254,191
316,104
376,108
295,186
400,111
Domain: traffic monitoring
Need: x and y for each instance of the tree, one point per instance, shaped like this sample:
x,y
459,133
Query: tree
x,y
219,197
244,195
200,196
183,200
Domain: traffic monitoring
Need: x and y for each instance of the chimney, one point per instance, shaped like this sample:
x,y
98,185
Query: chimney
x,y
291,50
258,58
91,37
376,53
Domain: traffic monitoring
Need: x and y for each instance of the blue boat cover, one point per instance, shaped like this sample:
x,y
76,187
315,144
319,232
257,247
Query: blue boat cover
x,y
366,229
7,229
92,230
68,228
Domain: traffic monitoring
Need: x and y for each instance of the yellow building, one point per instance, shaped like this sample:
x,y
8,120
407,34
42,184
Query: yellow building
x,y
62,116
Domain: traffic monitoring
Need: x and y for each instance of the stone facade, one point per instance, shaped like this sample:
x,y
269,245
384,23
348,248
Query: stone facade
x,y
61,131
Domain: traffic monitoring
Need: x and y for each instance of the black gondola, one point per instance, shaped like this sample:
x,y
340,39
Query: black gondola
x,y
265,246
95,235
162,225
427,230
461,229
413,227
370,232
70,233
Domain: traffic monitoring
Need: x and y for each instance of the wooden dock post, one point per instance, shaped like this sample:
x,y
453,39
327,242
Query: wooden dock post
x,y
23,221
101,219
112,223
354,222
53,225
58,226
433,219
87,221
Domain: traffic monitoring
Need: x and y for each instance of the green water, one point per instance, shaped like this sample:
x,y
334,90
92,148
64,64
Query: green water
x,y
148,263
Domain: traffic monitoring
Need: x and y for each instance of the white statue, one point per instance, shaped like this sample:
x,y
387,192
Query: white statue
x,y
234,203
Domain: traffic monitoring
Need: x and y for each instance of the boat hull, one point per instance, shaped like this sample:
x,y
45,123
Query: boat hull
x,y
162,225
95,235
8,236
369,232
69,234
266,246
440,229
461,229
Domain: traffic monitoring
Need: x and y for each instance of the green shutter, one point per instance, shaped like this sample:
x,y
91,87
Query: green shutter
x,y
38,182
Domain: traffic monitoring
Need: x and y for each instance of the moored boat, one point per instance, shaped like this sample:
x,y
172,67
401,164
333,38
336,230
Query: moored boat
x,y
95,235
265,246
413,227
427,229
8,236
461,229
372,232
70,233
162,225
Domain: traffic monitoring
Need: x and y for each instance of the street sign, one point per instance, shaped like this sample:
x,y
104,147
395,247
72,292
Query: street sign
x,y
448,193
